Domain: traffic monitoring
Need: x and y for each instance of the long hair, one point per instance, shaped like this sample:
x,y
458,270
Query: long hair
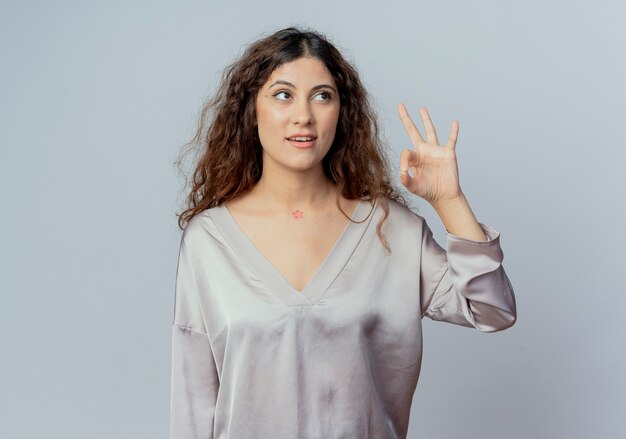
x,y
229,152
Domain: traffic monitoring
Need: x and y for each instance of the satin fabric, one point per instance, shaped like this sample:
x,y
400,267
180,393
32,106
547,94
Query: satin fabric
x,y
252,357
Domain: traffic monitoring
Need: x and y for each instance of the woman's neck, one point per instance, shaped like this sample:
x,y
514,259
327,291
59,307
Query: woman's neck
x,y
292,190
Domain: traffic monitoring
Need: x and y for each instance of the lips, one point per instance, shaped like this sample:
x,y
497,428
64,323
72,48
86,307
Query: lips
x,y
302,137
302,144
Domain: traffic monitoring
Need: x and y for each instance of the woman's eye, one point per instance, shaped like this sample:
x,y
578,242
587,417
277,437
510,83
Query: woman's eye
x,y
327,96
282,95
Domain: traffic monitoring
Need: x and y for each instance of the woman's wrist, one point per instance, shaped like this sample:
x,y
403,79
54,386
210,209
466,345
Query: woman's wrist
x,y
458,218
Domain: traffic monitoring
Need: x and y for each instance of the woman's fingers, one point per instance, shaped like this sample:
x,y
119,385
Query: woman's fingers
x,y
410,127
431,134
454,135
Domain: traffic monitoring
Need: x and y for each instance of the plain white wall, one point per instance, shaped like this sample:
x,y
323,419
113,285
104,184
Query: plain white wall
x,y
97,99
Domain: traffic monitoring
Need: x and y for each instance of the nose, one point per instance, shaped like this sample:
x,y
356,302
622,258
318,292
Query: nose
x,y
302,113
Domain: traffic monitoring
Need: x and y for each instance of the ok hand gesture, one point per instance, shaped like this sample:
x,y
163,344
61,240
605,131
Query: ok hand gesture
x,y
434,167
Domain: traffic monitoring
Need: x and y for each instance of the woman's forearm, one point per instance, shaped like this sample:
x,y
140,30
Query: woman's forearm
x,y
458,218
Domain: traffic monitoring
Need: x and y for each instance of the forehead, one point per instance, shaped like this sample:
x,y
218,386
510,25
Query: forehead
x,y
302,72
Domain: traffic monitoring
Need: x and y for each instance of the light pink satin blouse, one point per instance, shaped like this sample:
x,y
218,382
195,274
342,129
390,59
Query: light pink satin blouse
x,y
253,358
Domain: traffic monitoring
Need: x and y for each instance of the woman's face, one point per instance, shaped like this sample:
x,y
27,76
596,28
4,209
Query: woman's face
x,y
299,99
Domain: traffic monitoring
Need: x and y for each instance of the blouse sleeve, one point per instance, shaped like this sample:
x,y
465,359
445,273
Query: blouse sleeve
x,y
194,380
466,285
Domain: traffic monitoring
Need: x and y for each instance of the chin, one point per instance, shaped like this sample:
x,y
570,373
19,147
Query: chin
x,y
296,160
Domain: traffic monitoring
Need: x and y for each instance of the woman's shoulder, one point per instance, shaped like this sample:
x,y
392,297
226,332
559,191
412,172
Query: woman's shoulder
x,y
201,225
399,212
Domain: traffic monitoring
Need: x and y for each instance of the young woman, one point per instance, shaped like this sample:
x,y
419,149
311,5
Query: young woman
x,y
303,274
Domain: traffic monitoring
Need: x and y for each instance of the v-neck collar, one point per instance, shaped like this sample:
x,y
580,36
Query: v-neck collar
x,y
269,275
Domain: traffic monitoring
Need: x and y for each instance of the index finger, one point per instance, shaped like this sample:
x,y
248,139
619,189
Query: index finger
x,y
410,127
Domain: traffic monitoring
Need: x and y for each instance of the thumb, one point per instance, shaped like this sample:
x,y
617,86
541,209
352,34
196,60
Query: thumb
x,y
405,161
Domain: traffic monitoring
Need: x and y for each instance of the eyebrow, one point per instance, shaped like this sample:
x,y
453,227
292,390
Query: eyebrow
x,y
317,87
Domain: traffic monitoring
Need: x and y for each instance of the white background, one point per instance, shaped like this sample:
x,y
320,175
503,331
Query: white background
x,y
97,99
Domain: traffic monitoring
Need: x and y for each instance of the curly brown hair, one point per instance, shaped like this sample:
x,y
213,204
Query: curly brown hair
x,y
229,152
